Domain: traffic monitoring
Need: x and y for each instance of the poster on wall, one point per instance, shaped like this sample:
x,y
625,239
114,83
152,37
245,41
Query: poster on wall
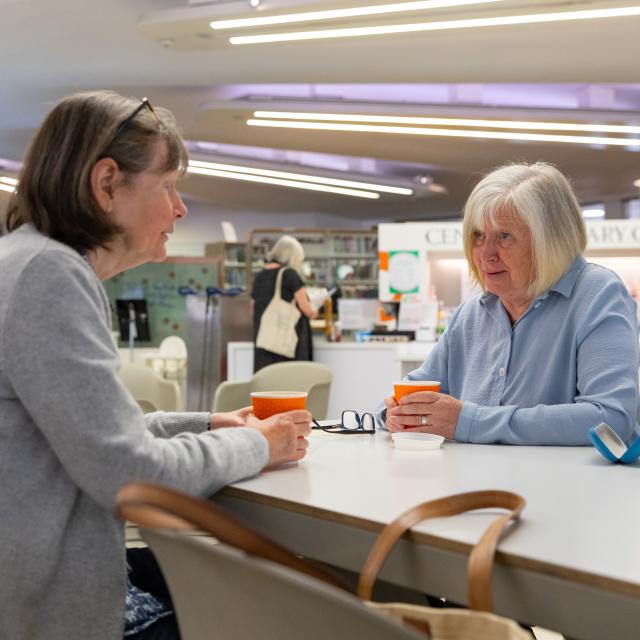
x,y
404,271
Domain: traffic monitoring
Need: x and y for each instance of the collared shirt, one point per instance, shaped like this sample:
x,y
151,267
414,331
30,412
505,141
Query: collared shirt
x,y
570,362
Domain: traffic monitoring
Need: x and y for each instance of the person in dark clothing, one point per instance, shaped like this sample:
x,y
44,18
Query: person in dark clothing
x,y
286,252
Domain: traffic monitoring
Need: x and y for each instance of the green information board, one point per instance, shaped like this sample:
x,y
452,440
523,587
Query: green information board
x,y
158,284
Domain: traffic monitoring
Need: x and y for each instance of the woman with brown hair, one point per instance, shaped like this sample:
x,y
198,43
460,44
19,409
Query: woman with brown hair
x,y
97,195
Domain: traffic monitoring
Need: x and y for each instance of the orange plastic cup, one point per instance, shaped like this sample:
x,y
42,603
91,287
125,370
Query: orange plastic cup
x,y
403,387
267,403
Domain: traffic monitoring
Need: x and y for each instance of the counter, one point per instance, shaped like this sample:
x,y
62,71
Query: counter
x,y
363,371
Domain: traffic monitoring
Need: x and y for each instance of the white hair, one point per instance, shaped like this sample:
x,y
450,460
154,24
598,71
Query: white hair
x,y
287,251
542,198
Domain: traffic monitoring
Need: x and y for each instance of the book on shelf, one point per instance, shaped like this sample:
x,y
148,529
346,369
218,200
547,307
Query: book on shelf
x,y
347,258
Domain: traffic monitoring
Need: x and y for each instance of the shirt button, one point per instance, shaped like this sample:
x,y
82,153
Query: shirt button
x,y
501,371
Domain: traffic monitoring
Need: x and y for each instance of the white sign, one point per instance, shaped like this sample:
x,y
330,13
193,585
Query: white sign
x,y
360,313
613,234
404,271
422,238
416,314
447,236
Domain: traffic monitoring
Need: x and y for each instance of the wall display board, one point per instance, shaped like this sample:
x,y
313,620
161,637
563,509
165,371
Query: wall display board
x,y
160,284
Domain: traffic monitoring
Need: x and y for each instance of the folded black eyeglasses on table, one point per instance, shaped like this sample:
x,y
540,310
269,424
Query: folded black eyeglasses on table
x,y
350,422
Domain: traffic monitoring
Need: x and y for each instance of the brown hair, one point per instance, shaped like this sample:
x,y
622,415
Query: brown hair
x,y
54,193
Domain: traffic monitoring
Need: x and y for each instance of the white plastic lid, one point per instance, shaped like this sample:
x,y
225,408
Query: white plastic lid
x,y
417,441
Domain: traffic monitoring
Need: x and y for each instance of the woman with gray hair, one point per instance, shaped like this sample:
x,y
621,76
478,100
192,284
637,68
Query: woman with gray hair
x,y
97,195
550,348
284,261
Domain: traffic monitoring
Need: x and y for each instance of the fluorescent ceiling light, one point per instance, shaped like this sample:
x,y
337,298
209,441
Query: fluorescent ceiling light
x,y
8,184
593,213
333,14
284,183
455,122
452,133
636,183
302,177
498,21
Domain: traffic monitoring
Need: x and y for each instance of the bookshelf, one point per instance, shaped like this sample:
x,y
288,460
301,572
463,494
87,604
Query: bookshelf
x,y
347,258
232,260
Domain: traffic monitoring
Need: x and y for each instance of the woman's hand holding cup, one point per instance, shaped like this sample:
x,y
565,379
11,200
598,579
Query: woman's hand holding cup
x,y
283,421
285,434
419,406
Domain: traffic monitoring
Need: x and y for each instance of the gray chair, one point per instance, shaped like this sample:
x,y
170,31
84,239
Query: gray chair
x,y
221,593
313,377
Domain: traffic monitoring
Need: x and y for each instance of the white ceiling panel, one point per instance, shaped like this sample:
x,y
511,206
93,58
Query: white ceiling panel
x,y
583,72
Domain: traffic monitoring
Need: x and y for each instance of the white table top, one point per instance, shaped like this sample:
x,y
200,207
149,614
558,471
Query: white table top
x,y
343,345
580,522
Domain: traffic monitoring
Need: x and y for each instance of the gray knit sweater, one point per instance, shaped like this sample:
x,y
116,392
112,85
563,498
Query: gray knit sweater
x,y
70,435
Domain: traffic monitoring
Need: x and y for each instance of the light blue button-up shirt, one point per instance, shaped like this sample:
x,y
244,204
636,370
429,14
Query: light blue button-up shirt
x,y
570,362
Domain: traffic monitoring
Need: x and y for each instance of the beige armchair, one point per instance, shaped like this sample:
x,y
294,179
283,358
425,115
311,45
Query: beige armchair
x,y
313,377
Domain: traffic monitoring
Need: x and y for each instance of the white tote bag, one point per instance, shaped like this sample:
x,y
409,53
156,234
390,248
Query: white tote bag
x,y
277,332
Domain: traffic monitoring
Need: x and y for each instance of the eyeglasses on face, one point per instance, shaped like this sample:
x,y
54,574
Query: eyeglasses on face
x,y
350,422
126,123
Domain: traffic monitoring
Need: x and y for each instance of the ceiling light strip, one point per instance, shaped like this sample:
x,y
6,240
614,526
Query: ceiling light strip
x,y
302,177
593,213
7,187
333,14
7,180
284,183
455,122
498,21
454,133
